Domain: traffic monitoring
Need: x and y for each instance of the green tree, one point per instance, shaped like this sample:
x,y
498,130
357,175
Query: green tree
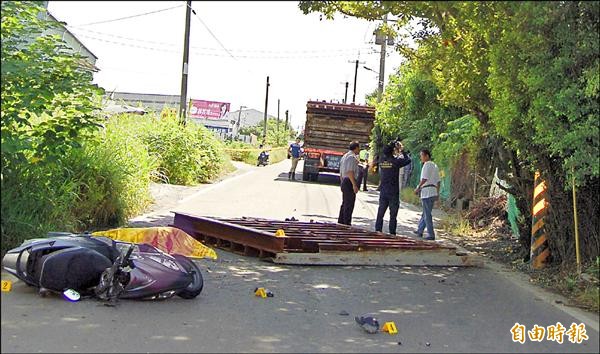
x,y
275,136
47,96
48,104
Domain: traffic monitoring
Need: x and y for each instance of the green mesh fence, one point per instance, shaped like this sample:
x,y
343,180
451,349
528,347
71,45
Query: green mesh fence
x,y
513,215
446,192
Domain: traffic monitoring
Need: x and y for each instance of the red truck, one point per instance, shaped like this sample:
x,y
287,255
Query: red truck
x,y
329,129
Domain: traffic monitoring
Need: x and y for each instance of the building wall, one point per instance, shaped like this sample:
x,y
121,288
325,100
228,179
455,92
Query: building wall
x,y
149,101
72,42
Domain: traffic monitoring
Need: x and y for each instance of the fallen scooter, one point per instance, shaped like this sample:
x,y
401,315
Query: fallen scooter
x,y
263,159
81,265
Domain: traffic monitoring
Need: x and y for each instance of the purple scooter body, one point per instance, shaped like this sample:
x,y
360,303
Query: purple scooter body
x,y
105,268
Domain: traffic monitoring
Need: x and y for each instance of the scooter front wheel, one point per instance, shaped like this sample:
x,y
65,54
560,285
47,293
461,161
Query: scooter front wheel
x,y
195,287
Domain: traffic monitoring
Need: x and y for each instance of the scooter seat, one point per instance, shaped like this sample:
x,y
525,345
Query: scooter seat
x,y
74,268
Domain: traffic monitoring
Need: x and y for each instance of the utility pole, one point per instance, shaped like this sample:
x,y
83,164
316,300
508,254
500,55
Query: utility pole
x,y
239,120
278,105
346,93
356,62
286,119
184,69
382,63
266,106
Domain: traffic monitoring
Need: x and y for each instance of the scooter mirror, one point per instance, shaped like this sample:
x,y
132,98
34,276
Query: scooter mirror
x,y
71,295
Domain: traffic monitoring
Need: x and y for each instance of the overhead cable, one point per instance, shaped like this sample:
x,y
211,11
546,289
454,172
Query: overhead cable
x,y
129,17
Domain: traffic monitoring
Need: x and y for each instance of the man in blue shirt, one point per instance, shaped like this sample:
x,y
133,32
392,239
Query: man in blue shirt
x,y
389,195
295,150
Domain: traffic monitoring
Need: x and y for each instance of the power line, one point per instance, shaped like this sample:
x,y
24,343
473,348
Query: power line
x,y
165,50
212,34
336,50
128,17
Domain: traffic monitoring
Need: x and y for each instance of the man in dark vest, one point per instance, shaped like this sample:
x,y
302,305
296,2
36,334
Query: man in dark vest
x,y
389,195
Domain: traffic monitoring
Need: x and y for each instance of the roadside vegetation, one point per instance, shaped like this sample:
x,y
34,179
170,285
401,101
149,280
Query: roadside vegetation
x,y
278,137
278,134
511,87
65,167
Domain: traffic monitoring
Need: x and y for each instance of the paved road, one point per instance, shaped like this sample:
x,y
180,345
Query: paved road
x,y
435,309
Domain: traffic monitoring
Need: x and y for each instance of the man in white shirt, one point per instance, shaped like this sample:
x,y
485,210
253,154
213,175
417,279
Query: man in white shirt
x,y
428,188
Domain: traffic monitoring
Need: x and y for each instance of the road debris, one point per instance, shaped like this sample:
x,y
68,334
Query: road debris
x,y
344,313
368,322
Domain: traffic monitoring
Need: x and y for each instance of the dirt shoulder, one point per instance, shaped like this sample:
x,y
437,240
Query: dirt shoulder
x,y
496,242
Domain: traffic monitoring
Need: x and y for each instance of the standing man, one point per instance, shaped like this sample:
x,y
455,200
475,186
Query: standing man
x,y
295,151
349,171
364,166
429,189
389,195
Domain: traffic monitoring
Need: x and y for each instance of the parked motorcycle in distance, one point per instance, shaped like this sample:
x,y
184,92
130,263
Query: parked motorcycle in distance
x,y
104,268
263,159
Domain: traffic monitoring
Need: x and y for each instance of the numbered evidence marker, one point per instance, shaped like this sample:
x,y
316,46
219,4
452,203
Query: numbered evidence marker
x,y
260,292
390,327
6,285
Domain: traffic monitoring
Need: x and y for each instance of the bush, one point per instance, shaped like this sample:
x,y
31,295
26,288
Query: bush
x,y
186,155
114,173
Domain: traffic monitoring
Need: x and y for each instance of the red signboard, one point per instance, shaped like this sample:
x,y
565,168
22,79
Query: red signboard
x,y
208,109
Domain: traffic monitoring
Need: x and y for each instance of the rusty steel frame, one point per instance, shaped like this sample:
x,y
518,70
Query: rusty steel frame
x,y
256,237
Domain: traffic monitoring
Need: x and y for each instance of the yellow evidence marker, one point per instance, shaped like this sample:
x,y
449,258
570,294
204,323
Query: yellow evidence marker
x,y
260,292
390,327
6,285
279,233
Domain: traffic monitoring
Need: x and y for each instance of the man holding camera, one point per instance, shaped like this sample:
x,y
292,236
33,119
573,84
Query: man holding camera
x,y
393,159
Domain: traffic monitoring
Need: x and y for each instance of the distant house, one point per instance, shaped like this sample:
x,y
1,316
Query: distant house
x,y
247,118
149,101
72,41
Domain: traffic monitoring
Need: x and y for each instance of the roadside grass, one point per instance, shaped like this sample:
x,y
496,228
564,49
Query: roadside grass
x,y
107,180
408,195
250,154
455,224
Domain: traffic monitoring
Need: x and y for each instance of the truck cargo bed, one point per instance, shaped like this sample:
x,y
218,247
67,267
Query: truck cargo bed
x,y
333,126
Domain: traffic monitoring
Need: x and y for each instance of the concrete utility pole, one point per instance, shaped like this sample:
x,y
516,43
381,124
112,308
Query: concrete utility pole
x,y
346,93
278,106
266,106
239,120
184,69
382,63
356,62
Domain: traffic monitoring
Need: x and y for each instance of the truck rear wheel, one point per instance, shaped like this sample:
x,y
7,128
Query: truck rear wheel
x,y
305,176
314,177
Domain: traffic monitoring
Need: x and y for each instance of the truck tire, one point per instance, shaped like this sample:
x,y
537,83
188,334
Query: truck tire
x,y
305,176
314,177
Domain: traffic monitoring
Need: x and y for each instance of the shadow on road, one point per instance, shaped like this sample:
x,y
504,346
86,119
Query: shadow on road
x,y
324,178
